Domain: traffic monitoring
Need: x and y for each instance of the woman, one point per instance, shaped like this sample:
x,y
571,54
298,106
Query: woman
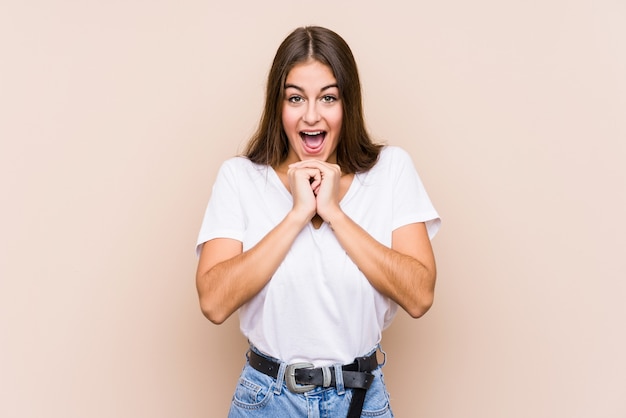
x,y
315,236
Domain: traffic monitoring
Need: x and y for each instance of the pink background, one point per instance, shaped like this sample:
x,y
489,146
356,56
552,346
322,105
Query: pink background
x,y
114,117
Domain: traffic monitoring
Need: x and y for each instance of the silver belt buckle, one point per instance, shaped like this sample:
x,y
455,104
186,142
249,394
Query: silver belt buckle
x,y
290,378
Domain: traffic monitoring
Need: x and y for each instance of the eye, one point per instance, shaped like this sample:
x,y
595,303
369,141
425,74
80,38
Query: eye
x,y
328,98
295,99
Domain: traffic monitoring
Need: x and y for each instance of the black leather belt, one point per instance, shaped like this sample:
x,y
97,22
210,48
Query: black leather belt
x,y
302,377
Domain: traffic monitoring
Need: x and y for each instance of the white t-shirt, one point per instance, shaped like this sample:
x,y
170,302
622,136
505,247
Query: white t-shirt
x,y
318,307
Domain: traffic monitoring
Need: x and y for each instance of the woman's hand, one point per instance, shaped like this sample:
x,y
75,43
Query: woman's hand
x,y
324,186
303,184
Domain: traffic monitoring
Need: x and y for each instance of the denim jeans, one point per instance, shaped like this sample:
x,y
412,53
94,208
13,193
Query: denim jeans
x,y
259,395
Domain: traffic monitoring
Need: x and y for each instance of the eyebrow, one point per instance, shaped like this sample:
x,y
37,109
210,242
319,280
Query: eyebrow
x,y
293,86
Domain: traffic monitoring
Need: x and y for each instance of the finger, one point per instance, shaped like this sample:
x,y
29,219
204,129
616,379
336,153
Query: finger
x,y
308,172
319,164
323,167
313,176
316,179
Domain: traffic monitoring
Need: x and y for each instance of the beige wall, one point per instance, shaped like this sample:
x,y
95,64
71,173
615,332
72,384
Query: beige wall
x,y
114,116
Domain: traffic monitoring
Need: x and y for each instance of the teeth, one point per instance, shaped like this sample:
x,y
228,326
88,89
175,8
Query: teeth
x,y
313,133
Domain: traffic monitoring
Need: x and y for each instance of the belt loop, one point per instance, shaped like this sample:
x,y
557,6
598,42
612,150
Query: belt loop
x,y
341,389
380,348
280,378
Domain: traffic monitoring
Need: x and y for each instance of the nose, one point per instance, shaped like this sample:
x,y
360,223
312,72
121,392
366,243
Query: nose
x,y
311,114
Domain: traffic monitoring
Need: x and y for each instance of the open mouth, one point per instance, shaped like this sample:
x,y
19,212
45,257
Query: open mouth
x,y
313,140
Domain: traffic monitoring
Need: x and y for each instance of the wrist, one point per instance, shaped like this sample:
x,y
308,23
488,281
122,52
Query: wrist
x,y
298,218
334,218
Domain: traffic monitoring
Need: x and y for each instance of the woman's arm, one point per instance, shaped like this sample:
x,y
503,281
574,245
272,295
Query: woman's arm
x,y
406,272
227,277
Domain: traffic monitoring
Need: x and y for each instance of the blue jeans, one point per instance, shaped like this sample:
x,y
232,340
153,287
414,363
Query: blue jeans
x,y
259,395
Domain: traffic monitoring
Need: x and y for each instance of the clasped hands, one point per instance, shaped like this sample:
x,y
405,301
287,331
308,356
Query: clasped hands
x,y
315,188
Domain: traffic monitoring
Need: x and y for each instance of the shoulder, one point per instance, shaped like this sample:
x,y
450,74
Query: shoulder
x,y
393,157
241,173
236,162
240,165
392,152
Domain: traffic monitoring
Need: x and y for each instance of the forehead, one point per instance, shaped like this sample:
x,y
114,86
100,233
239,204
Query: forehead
x,y
310,74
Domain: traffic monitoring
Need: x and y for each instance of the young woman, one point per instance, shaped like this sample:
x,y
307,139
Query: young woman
x,y
316,236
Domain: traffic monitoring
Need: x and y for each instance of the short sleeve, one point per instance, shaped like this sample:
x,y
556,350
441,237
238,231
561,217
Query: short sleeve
x,y
411,202
223,217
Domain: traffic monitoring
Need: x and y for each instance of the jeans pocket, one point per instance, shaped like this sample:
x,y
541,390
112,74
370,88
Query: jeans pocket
x,y
253,390
377,408
377,399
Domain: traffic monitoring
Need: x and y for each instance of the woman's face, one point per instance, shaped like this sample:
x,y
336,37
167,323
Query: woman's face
x,y
312,112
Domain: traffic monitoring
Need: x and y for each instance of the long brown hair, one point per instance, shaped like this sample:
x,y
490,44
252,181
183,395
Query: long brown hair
x,y
269,145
